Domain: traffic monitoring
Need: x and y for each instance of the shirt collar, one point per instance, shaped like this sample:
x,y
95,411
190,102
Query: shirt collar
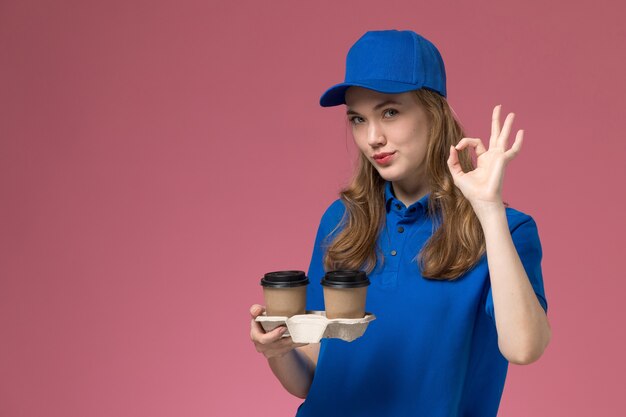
x,y
390,200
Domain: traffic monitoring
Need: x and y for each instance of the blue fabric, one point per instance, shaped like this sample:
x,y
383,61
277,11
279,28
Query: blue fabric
x,y
432,350
390,61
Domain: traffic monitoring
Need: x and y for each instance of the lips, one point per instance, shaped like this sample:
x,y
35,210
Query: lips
x,y
383,154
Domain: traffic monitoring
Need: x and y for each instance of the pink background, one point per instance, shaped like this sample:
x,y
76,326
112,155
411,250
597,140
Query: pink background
x,y
156,158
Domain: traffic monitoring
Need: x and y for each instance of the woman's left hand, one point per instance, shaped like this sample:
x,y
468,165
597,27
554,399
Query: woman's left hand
x,y
483,185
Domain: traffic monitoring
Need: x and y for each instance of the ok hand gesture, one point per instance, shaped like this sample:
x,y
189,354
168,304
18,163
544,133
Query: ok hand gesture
x,y
483,185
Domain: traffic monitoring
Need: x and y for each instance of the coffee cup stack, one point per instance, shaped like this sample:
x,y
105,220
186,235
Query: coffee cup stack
x,y
285,293
345,292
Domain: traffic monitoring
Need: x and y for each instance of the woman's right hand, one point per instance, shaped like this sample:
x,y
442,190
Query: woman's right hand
x,y
270,344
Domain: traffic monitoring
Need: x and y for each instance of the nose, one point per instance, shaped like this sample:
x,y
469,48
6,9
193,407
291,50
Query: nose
x,y
375,136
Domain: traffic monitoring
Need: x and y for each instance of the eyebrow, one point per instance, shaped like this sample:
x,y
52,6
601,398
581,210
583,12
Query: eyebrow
x,y
376,107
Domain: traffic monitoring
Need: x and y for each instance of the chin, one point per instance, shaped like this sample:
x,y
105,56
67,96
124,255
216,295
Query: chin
x,y
389,176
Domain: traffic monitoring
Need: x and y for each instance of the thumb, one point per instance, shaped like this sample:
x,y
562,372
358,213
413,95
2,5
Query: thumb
x,y
256,310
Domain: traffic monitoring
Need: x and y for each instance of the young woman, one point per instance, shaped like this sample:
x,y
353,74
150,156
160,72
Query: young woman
x,y
456,280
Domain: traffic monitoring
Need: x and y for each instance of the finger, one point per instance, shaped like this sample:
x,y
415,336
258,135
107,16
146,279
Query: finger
x,y
272,336
506,130
256,329
517,145
256,310
495,124
453,162
259,335
475,142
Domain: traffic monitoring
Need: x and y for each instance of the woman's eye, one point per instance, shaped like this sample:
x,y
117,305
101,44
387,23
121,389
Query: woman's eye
x,y
352,120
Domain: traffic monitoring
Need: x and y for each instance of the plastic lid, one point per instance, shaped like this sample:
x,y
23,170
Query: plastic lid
x,y
284,279
345,278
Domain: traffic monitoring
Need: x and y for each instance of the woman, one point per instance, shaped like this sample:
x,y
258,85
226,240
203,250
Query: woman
x,y
456,281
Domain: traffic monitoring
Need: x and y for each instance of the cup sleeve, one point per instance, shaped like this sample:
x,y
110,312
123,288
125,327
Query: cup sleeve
x,y
526,241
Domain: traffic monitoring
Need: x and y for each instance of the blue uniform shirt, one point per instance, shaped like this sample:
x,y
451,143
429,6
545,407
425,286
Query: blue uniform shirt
x,y
432,350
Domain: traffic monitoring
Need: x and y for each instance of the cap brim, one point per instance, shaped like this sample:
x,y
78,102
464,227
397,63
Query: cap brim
x,y
335,95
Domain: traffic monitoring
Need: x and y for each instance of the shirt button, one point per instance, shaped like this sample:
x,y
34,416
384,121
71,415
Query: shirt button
x,y
400,229
393,253
398,206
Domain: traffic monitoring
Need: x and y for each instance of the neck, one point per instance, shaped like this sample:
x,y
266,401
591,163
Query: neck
x,y
409,193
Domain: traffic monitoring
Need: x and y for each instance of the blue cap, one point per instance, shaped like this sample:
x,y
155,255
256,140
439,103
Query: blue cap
x,y
390,61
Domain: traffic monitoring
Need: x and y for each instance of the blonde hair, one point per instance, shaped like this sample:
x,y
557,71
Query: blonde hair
x,y
457,242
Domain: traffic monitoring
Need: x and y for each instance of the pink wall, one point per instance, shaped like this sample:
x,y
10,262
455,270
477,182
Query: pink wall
x,y
156,158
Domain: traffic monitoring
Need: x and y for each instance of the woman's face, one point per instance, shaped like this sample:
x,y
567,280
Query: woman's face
x,y
400,128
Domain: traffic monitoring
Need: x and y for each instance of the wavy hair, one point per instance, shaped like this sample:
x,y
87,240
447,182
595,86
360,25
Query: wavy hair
x,y
457,242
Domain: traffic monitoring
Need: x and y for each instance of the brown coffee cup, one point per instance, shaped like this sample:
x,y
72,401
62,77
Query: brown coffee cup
x,y
345,292
285,293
